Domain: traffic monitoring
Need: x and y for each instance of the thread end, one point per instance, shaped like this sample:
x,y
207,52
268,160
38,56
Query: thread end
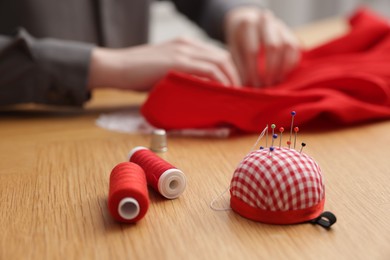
x,y
128,208
172,183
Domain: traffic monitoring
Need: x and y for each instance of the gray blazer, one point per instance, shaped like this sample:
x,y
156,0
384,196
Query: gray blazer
x,y
45,45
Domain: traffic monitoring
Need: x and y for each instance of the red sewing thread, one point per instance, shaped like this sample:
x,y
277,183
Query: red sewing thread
x,y
128,199
169,181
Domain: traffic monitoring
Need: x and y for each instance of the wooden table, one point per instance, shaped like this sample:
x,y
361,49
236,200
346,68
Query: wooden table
x,y
54,173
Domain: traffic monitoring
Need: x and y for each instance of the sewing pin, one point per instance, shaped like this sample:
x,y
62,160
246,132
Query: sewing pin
x,y
266,137
273,128
293,113
281,130
274,136
296,130
303,145
271,149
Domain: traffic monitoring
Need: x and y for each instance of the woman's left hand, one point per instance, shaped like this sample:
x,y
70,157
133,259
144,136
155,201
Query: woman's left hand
x,y
252,32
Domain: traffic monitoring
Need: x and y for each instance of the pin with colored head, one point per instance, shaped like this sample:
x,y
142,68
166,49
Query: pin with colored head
x,y
293,113
302,145
281,130
271,149
273,128
274,136
296,130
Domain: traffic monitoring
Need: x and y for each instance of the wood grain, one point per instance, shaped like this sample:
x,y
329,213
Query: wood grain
x,y
54,168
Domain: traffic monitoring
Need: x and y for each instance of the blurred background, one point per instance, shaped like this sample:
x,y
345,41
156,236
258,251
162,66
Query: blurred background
x,y
166,23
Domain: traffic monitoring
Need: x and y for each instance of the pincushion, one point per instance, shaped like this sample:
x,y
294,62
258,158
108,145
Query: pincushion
x,y
282,186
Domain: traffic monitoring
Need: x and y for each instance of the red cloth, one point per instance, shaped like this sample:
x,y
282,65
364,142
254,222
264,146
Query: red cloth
x,y
343,82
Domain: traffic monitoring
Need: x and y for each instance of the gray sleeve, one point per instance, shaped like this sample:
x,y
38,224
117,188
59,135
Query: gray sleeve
x,y
45,71
209,14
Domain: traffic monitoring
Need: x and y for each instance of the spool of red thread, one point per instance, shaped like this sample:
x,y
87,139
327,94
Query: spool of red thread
x,y
169,181
128,199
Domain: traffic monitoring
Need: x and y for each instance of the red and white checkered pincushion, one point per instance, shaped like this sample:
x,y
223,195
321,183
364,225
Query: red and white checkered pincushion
x,y
279,187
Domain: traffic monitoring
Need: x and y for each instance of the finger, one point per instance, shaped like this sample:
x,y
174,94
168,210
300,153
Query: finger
x,y
202,69
223,61
212,54
291,50
235,52
239,64
273,46
250,47
244,43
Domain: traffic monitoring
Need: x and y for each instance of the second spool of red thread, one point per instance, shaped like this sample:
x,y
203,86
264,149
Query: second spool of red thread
x,y
161,175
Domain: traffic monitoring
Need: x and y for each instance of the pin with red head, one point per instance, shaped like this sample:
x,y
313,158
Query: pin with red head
x,y
281,130
296,130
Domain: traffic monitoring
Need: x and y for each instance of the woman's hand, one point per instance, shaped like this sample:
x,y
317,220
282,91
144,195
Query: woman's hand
x,y
139,68
252,33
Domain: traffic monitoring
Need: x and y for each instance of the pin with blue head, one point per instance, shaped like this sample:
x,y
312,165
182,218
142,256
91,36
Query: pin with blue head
x,y
271,149
274,136
293,113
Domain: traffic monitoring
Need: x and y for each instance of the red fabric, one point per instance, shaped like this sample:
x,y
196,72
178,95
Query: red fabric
x,y
343,82
279,187
276,217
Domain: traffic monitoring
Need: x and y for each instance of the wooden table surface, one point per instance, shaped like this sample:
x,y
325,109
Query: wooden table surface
x,y
54,175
